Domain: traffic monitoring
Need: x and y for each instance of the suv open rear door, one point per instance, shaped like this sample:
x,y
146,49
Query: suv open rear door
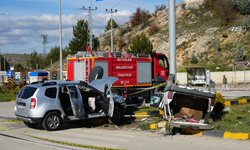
x,y
76,101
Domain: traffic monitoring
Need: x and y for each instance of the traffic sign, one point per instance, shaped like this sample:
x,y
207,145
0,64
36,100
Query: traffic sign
x,y
9,79
240,63
9,73
2,73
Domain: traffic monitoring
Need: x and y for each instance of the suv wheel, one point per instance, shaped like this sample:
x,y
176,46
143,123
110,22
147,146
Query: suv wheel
x,y
116,116
31,125
52,121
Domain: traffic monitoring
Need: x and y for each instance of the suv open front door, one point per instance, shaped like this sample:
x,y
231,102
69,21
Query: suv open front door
x,y
108,95
76,101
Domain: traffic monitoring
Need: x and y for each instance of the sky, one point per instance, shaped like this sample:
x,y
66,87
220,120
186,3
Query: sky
x,y
21,30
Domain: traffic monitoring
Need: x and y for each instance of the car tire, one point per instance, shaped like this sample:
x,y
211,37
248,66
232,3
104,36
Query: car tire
x,y
31,125
116,92
117,115
52,121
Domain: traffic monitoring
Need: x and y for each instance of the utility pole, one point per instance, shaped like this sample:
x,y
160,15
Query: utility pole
x,y
141,4
91,40
0,58
4,62
111,11
44,42
172,37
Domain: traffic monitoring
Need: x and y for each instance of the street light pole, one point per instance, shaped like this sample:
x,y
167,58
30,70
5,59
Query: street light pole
x,y
111,11
0,58
2,44
60,26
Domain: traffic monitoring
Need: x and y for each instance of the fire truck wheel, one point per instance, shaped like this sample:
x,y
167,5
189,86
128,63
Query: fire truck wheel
x,y
116,116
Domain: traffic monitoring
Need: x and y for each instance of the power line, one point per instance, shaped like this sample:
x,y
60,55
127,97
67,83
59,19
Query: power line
x,y
67,33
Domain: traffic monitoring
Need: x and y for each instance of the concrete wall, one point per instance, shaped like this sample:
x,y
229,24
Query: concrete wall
x,y
217,77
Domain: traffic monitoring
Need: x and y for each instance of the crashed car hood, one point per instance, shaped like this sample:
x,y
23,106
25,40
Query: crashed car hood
x,y
99,84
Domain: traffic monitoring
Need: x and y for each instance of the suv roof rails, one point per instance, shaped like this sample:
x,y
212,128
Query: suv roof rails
x,y
63,82
49,83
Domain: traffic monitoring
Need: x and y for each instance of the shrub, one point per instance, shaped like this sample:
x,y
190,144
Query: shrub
x,y
121,43
193,59
16,90
20,85
224,35
153,29
144,126
159,8
13,85
128,28
140,16
219,103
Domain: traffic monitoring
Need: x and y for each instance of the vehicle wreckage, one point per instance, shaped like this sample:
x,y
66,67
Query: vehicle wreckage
x,y
185,107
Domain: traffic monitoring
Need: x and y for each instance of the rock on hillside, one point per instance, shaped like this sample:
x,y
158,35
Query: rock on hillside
x,y
191,35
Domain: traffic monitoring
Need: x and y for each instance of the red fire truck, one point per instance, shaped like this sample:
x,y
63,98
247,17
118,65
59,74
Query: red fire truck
x,y
135,72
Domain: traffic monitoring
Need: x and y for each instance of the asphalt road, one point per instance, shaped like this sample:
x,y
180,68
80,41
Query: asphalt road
x,y
126,138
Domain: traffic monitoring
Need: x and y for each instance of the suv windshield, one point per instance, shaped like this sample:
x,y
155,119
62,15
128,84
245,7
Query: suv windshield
x,y
26,92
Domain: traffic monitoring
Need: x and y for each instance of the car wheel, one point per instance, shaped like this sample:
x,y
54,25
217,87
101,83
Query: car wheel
x,y
116,92
52,121
116,118
31,125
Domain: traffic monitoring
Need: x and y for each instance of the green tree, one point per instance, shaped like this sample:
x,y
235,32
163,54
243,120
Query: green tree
x,y
35,61
80,39
7,66
141,45
54,54
96,43
245,23
239,52
19,67
223,11
108,27
217,45
233,4
193,59
244,6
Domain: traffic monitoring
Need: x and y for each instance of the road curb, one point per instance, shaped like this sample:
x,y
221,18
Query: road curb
x,y
243,101
148,114
219,134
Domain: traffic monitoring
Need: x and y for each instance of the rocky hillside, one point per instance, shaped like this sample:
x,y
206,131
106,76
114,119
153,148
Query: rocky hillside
x,y
197,31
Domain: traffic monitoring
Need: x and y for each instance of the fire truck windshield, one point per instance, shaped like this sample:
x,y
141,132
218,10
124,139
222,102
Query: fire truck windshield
x,y
163,62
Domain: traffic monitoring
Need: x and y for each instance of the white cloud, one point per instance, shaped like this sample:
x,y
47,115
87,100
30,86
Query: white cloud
x,y
28,29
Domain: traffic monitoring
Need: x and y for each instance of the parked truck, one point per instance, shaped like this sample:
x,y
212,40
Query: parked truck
x,y
135,72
